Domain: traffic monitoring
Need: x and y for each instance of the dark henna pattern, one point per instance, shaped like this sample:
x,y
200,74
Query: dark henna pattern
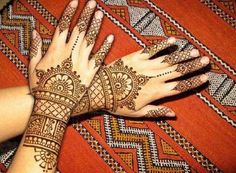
x,y
102,52
56,95
160,112
189,67
93,31
177,57
66,18
153,49
163,74
113,87
35,45
191,83
84,19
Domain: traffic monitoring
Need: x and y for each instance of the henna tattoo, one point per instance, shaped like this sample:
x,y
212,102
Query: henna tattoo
x,y
177,57
66,18
160,112
188,67
153,49
165,73
84,19
93,31
191,83
102,52
56,95
35,45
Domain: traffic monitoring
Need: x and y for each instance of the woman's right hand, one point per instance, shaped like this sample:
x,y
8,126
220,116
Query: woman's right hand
x,y
128,86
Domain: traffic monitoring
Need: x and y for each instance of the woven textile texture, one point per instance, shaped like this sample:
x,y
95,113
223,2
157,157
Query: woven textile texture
x,y
201,139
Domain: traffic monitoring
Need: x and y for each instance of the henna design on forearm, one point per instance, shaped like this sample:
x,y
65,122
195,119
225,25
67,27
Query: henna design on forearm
x,y
84,19
64,23
188,84
34,46
153,49
93,31
57,93
189,67
177,57
160,112
102,52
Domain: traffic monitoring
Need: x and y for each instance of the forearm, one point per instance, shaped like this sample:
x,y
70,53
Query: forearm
x,y
42,139
15,110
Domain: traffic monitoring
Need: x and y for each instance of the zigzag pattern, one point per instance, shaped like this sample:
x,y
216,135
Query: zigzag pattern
x,y
118,135
22,23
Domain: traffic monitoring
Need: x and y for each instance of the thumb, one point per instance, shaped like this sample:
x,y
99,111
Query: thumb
x,y
153,111
35,51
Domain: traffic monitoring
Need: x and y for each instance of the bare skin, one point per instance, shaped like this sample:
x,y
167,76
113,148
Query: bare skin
x,y
128,89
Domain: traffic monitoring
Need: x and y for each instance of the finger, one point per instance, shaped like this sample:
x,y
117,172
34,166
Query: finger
x,y
35,51
151,50
97,59
81,27
152,111
185,85
64,22
90,37
174,58
181,69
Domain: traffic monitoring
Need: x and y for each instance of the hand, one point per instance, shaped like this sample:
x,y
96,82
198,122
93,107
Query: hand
x,y
65,69
128,86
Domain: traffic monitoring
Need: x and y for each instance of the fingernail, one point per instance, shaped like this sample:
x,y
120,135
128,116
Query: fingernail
x,y
205,60
110,38
98,14
194,53
74,3
92,4
171,40
204,77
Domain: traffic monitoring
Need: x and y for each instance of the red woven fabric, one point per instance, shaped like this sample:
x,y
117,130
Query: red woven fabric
x,y
203,136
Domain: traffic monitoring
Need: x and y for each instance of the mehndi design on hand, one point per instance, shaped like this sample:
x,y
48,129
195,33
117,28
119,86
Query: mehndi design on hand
x,y
64,22
153,49
58,91
191,83
160,112
85,18
93,30
34,45
177,57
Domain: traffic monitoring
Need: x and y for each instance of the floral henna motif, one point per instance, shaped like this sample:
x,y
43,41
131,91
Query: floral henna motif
x,y
113,87
177,57
153,49
34,47
66,18
160,112
188,67
84,19
191,83
56,95
125,83
93,31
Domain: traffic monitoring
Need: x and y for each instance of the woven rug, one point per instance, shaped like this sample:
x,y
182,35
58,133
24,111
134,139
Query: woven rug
x,y
201,139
